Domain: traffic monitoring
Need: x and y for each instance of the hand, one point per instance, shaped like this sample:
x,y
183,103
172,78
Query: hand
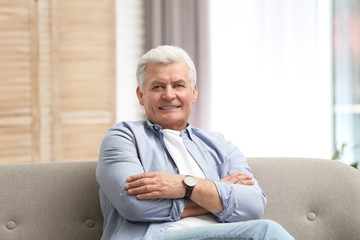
x,y
238,178
151,185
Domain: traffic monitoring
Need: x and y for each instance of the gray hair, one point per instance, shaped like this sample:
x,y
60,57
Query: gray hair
x,y
165,54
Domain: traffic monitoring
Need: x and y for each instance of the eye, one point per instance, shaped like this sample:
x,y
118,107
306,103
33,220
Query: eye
x,y
156,87
179,85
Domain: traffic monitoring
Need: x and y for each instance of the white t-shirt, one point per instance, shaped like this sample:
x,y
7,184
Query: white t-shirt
x,y
187,166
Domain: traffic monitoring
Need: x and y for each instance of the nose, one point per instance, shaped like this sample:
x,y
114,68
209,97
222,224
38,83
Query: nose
x,y
168,94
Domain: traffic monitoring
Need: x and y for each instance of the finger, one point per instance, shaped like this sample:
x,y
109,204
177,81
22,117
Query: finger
x,y
150,195
142,175
243,179
139,183
145,192
143,189
248,182
231,176
236,178
138,176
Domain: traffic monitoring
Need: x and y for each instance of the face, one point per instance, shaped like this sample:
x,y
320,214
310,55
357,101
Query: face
x,y
167,95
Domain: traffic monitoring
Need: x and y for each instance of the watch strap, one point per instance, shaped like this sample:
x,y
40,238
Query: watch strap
x,y
188,192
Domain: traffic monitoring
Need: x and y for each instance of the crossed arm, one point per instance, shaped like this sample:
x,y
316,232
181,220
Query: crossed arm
x,y
125,182
205,197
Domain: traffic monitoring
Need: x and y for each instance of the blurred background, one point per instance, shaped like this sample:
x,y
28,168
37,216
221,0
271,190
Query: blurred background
x,y
278,78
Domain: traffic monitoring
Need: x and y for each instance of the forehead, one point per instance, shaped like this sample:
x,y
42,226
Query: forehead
x,y
165,71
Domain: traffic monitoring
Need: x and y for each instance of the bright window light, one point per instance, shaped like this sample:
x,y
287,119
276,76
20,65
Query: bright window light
x,y
271,73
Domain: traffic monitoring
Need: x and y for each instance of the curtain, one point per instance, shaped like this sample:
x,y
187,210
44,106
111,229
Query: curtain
x,y
184,23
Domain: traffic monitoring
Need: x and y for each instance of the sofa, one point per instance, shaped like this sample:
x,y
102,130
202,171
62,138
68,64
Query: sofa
x,y
311,198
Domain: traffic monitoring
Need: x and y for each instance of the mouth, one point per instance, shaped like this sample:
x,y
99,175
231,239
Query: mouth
x,y
169,107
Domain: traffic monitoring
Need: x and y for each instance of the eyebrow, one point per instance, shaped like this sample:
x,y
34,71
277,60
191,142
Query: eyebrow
x,y
156,82
180,81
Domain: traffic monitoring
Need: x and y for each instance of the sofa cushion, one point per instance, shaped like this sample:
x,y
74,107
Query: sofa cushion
x,y
46,201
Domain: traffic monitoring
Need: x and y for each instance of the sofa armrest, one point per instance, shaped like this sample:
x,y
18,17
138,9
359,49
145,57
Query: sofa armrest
x,y
311,198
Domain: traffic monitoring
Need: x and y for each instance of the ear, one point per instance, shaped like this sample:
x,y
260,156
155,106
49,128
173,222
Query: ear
x,y
195,94
140,95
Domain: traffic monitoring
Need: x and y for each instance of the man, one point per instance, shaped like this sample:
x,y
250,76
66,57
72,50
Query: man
x,y
164,179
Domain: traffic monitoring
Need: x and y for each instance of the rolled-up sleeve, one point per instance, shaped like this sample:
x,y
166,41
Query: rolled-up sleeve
x,y
119,159
240,202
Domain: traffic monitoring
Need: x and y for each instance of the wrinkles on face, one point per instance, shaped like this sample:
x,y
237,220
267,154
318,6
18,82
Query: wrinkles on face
x,y
167,95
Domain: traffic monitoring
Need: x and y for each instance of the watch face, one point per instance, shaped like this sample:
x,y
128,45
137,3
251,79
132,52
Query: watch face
x,y
190,181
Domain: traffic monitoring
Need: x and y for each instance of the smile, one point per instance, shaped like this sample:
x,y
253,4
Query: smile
x,y
169,107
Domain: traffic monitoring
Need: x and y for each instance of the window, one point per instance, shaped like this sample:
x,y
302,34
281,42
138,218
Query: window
x,y
347,78
130,44
271,71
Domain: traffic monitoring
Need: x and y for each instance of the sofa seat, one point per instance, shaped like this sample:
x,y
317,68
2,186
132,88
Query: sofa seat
x,y
312,198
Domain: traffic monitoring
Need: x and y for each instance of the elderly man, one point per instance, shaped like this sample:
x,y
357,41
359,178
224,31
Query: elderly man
x,y
165,179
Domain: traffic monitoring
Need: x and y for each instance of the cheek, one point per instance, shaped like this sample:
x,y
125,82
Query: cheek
x,y
151,102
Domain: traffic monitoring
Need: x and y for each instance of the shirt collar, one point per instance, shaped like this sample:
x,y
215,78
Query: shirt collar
x,y
150,125
157,128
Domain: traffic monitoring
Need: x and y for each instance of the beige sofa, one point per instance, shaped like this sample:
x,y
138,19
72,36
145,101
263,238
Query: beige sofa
x,y
311,198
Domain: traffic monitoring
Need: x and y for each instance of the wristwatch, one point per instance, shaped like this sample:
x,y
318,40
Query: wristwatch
x,y
190,183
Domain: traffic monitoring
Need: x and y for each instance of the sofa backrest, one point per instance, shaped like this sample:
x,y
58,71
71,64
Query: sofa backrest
x,y
49,201
312,198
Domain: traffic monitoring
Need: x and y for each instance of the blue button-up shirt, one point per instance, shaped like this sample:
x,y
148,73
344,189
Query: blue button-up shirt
x,y
135,147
